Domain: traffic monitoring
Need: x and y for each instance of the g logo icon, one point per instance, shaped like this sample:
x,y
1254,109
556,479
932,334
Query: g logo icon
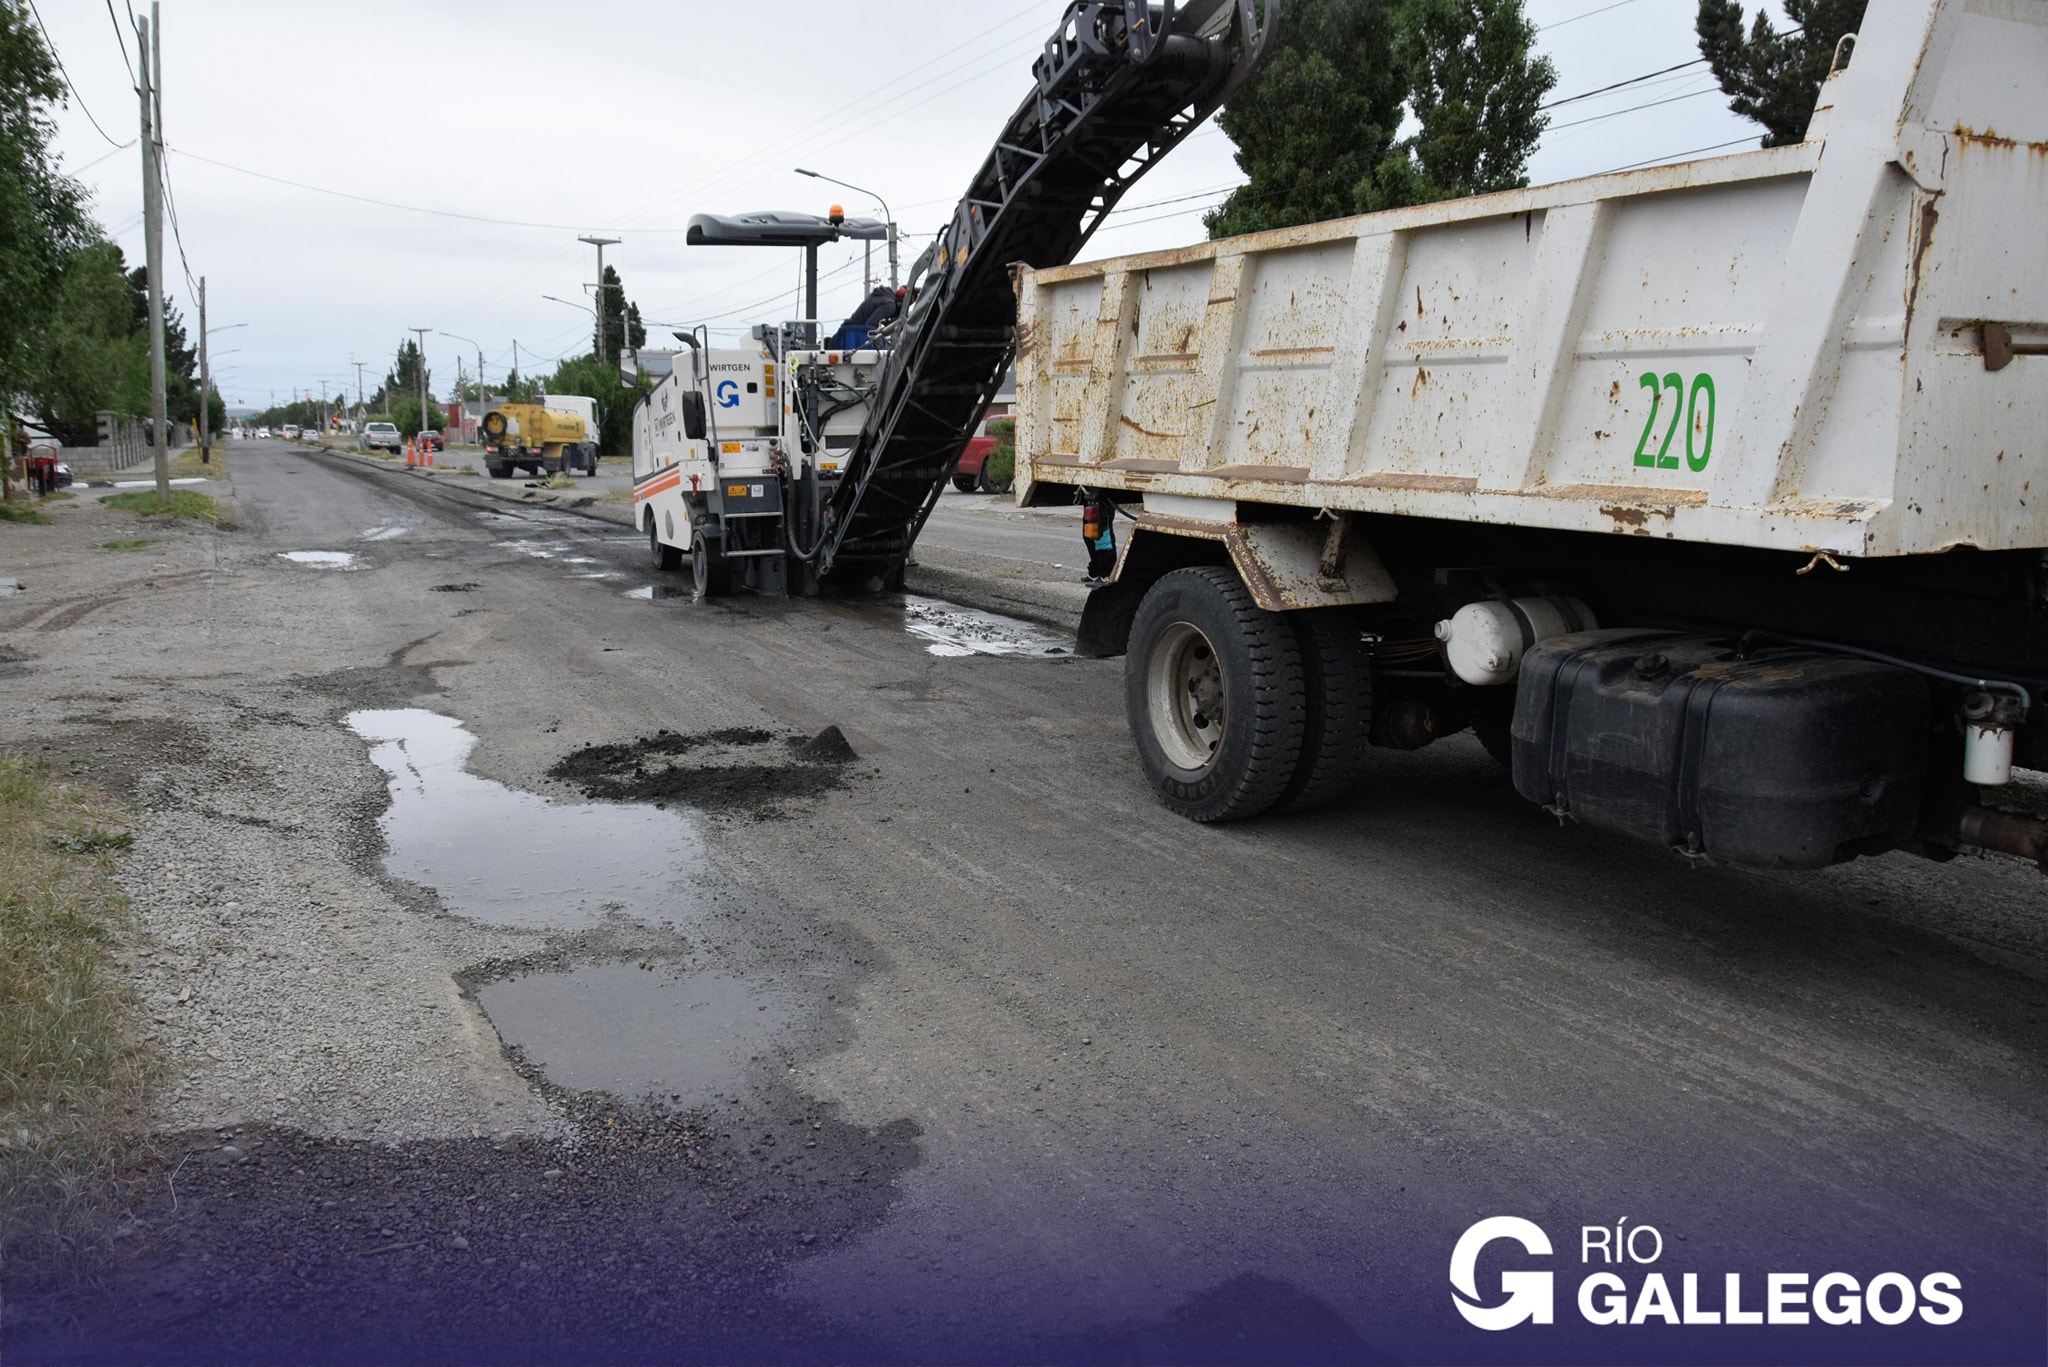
x,y
1529,1294
728,394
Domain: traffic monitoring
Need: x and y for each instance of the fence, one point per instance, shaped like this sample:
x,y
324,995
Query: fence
x,y
122,446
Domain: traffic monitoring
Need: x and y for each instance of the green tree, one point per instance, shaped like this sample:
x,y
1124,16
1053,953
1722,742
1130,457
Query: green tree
x,y
592,378
515,388
1316,128
1477,89
181,356
1317,119
42,213
622,325
93,358
405,412
1772,77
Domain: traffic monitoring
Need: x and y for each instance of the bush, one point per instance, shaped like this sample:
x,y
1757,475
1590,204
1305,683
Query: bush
x,y
1001,468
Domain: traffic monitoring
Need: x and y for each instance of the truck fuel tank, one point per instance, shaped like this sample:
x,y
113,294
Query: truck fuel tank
x,y
1786,758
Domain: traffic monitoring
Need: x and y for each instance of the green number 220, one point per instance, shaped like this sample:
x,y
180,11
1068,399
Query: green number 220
x,y
1685,406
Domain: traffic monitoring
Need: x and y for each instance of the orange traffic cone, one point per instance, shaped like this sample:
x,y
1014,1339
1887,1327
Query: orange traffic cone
x,y
410,459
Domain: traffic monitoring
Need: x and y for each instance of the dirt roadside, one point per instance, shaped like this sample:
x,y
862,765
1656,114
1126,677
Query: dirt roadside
x,y
338,1124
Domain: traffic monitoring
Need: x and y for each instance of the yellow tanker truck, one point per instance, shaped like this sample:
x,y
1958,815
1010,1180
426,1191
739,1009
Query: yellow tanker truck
x,y
546,438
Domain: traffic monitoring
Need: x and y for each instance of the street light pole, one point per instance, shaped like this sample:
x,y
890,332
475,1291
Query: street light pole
x,y
483,398
887,213
601,243
421,359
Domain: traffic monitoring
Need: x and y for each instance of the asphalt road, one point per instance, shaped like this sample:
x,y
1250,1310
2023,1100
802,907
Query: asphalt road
x,y
1118,1087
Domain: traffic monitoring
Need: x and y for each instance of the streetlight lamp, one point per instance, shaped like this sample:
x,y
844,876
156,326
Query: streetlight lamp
x,y
887,213
601,243
483,399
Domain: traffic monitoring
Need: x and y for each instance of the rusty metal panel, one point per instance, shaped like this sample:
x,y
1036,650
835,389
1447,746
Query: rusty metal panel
x,y
1782,348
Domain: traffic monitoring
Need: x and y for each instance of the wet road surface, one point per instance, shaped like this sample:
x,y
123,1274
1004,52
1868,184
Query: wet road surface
x,y
1169,1090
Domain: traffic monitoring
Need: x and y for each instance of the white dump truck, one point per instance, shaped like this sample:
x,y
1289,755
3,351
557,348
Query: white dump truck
x,y
1713,496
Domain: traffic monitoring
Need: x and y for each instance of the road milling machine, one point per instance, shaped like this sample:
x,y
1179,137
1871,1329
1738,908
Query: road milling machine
x,y
788,466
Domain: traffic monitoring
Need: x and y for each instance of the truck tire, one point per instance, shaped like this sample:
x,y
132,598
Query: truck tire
x,y
1490,723
1213,691
709,567
1336,670
666,557
965,483
498,469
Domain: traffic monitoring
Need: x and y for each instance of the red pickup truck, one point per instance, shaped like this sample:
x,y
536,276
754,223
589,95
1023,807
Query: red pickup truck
x,y
971,474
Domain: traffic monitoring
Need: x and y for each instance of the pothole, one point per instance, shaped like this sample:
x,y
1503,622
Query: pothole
x,y
739,767
950,630
511,858
684,1038
322,560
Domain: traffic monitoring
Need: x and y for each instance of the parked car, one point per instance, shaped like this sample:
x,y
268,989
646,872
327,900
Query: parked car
x,y
430,440
381,436
263,433
971,474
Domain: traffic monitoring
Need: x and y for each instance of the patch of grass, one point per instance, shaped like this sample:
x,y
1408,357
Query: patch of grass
x,y
13,510
184,503
185,465
136,545
555,482
72,1073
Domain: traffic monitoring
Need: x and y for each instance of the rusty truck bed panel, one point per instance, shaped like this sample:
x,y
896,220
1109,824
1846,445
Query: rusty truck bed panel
x,y
1781,349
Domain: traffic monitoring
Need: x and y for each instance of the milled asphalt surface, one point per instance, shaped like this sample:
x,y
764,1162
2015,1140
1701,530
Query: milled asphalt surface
x,y
1081,1081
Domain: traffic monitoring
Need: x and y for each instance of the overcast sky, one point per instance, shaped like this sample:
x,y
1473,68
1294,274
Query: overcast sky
x,y
629,116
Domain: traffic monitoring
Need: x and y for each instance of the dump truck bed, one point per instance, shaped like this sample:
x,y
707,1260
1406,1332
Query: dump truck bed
x,y
1797,348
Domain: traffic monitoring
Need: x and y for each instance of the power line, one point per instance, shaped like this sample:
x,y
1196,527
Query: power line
x,y
104,156
69,84
1573,19
120,41
1617,113
1677,156
407,208
1618,85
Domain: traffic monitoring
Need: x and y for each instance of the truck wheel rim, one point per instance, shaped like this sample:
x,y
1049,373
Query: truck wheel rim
x,y
1184,687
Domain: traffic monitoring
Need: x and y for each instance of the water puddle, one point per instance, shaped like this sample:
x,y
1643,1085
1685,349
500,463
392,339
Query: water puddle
x,y
954,631
539,550
386,533
648,593
322,560
510,858
681,1037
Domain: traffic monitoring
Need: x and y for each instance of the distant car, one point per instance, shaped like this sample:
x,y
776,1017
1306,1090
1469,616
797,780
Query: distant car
x,y
381,436
430,440
291,431
263,433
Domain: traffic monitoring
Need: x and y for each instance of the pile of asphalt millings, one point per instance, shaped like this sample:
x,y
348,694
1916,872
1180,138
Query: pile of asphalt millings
x,y
738,768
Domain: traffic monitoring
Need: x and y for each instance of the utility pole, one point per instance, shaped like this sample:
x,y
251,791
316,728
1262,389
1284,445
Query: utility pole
x,y
205,382
422,361
359,387
149,51
601,243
